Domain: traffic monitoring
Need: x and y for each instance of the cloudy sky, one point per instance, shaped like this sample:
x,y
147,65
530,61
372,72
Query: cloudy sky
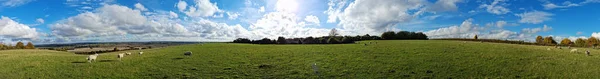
x,y
68,21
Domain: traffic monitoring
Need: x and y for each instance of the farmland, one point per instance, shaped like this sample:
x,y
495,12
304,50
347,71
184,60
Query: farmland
x,y
383,59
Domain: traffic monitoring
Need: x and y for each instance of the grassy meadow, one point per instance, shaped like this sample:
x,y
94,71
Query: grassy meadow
x,y
384,59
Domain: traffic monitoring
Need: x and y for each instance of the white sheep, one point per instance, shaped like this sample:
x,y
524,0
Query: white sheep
x,y
573,50
587,52
189,53
121,55
92,58
127,53
141,53
548,49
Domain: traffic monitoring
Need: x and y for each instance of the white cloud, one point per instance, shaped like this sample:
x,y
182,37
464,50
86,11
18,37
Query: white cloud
x,y
181,5
261,9
202,8
534,17
545,28
140,7
312,19
173,14
40,20
233,15
107,20
596,34
375,16
466,30
283,24
566,4
579,33
12,29
501,24
444,5
14,3
497,7
334,10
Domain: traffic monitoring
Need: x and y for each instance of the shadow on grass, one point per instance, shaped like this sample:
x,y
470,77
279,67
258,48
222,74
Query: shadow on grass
x,y
107,60
177,58
79,62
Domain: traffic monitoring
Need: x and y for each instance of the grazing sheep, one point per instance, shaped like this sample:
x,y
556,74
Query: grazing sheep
x,y
573,50
548,49
127,53
189,53
92,58
569,47
121,55
141,53
587,52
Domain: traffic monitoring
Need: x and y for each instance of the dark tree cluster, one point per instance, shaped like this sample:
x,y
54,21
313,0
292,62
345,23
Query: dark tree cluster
x,y
310,40
403,35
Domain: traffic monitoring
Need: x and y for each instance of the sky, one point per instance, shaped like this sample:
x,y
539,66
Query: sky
x,y
71,21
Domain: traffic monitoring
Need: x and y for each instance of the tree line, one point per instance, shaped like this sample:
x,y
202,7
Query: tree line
x,y
19,45
579,42
334,39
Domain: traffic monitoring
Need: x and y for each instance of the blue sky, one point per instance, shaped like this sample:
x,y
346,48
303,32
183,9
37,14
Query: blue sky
x,y
68,21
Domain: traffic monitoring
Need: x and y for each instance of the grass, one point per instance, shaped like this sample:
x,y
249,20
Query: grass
x,y
386,59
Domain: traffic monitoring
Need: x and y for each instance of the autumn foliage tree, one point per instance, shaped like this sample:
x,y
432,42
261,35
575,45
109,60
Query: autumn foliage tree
x,y
20,45
580,42
566,42
549,41
593,41
539,40
29,46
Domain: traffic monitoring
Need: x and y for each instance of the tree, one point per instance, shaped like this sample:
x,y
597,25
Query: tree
x,y
580,42
242,40
115,49
475,37
549,41
539,40
388,35
20,45
565,42
593,41
422,36
333,33
347,40
2,46
29,46
333,40
281,40
403,35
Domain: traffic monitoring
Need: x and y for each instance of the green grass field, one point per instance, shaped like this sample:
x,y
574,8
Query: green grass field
x,y
386,59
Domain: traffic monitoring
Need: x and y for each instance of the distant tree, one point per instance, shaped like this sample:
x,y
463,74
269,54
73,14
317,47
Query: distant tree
x,y
565,42
281,40
115,49
333,40
593,41
242,40
539,40
402,35
475,37
347,40
422,36
389,35
366,37
20,45
549,41
29,46
333,32
580,42
2,46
